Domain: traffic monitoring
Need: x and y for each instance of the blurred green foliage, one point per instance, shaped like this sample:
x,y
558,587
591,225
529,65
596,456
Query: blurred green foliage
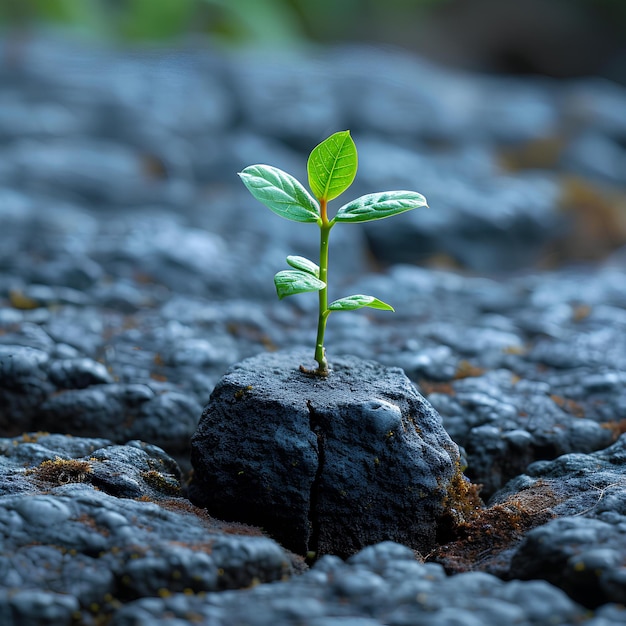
x,y
259,22
276,22
236,21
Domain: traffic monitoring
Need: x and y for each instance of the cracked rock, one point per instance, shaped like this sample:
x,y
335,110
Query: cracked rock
x,y
323,465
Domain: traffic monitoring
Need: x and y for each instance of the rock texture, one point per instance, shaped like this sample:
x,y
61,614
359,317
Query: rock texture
x,y
86,525
324,465
582,549
135,270
388,585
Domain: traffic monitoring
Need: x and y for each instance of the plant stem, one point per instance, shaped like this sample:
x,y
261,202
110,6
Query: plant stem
x,y
320,352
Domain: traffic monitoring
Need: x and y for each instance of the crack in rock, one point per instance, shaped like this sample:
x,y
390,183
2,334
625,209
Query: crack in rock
x,y
313,514
323,467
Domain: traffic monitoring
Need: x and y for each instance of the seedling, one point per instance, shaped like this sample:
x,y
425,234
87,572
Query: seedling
x,y
331,169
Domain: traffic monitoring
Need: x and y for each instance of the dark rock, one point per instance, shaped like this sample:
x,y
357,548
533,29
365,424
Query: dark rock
x,y
512,111
392,106
581,550
103,524
563,521
79,328
283,100
534,364
119,411
480,221
382,584
357,457
608,614
133,470
218,157
77,272
595,104
83,169
597,156
24,386
45,120
582,556
505,423
31,607
397,101
78,373
52,387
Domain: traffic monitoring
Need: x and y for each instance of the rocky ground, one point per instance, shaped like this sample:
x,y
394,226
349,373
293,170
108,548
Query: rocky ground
x,y
136,269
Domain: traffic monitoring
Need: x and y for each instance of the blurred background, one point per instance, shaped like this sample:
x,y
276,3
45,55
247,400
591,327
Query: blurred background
x,y
509,115
559,38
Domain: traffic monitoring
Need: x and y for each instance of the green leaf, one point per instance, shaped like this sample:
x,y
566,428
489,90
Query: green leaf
x,y
281,193
332,166
376,206
301,263
358,301
290,282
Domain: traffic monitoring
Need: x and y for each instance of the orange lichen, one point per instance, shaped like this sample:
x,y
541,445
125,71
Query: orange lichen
x,y
466,370
515,349
33,437
568,405
462,501
21,301
581,312
62,471
161,482
428,387
598,220
240,393
543,153
251,332
481,542
616,427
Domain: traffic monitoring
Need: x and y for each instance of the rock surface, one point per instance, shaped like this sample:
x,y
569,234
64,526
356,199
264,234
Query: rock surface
x,y
86,525
581,550
135,270
324,465
388,585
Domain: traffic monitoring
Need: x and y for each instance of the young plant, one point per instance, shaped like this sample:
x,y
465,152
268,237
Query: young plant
x,y
331,168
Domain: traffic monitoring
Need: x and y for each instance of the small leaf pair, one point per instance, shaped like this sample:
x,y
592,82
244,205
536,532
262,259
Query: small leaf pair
x,y
305,277
331,169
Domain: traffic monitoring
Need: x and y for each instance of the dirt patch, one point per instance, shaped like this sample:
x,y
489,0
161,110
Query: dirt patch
x,y
485,541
